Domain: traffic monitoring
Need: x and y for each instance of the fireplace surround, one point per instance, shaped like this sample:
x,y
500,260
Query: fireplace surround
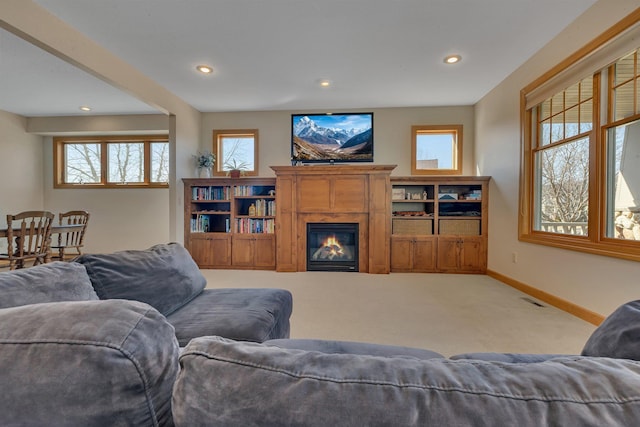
x,y
359,194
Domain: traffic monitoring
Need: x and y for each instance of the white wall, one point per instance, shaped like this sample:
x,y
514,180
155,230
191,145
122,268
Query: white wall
x,y
21,160
597,283
392,133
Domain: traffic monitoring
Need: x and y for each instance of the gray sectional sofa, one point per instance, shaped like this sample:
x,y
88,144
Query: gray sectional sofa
x,y
76,351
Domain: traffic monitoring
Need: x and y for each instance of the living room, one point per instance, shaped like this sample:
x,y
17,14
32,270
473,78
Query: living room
x,y
138,218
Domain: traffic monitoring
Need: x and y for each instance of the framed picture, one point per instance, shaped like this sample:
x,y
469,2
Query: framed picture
x,y
398,194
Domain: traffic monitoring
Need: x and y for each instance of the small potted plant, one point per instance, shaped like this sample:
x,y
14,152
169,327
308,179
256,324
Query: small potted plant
x,y
204,163
235,168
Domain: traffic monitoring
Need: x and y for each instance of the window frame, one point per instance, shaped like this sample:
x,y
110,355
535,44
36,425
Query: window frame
x,y
437,129
104,141
217,134
596,242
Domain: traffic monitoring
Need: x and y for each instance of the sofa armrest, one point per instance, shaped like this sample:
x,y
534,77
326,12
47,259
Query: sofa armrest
x,y
90,363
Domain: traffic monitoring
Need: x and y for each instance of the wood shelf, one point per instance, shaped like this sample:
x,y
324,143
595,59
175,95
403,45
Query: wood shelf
x,y
455,240
223,238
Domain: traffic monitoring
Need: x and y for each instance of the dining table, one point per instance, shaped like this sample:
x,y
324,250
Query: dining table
x,y
55,229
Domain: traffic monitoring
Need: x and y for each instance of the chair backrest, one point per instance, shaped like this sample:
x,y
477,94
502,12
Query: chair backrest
x,y
74,238
29,235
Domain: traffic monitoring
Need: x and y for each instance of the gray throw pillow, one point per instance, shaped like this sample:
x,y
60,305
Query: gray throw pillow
x,y
163,276
54,282
618,336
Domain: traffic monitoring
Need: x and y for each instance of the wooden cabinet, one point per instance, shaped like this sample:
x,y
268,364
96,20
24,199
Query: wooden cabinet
x,y
461,255
413,254
230,223
439,224
253,251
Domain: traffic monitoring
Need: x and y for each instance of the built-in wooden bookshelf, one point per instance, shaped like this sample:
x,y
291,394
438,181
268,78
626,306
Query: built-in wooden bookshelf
x,y
439,224
230,223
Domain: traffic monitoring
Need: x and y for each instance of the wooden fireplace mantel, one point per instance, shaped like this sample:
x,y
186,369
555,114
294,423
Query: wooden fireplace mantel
x,y
333,193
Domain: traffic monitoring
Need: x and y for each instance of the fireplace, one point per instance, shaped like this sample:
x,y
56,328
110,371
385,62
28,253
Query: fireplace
x,y
332,246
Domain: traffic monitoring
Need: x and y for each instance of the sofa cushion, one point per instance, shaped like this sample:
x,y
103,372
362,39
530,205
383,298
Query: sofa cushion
x,y
351,347
53,282
227,383
241,314
164,276
618,336
90,363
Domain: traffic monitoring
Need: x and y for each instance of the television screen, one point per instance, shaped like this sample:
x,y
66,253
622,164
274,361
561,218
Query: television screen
x,y
332,137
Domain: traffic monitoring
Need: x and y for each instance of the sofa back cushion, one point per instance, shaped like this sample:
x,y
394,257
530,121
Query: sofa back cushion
x,y
164,276
227,383
618,336
86,363
53,282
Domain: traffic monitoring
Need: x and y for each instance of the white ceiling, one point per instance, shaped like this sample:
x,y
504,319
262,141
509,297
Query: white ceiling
x,y
270,54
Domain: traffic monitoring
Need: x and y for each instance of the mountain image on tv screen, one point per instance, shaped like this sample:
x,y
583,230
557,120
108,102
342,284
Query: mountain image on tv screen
x,y
332,137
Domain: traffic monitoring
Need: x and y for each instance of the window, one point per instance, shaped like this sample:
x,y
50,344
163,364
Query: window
x,y
622,152
111,161
580,183
436,150
236,149
563,125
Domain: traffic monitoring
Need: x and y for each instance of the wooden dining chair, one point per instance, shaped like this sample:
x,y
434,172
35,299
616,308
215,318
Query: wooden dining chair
x,y
28,238
69,243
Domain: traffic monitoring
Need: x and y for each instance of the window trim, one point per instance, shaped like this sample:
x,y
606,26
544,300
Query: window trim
x,y
457,129
596,242
217,133
104,140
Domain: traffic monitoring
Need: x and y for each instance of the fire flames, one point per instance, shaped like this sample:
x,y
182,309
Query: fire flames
x,y
334,247
331,249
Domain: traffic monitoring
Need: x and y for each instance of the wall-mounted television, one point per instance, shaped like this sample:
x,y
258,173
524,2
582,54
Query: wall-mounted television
x,y
331,137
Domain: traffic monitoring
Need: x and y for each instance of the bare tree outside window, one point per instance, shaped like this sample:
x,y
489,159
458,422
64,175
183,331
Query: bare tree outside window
x,y
82,163
124,161
160,162
564,188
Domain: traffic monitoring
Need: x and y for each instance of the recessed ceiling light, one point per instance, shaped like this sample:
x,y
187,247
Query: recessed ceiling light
x,y
204,69
452,59
85,108
324,83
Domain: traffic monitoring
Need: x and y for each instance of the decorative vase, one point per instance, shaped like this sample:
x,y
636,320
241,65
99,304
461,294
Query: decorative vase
x,y
204,172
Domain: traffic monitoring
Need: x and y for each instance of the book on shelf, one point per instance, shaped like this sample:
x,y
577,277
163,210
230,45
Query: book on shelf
x,y
250,225
264,208
200,224
210,193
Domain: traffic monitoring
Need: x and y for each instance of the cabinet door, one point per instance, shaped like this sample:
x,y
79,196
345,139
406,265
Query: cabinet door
x,y
242,250
472,255
401,254
424,254
264,251
448,253
211,250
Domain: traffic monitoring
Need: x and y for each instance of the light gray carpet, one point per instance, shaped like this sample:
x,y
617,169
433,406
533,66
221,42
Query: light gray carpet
x,y
447,313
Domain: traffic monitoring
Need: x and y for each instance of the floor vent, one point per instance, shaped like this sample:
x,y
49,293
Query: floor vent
x,y
533,302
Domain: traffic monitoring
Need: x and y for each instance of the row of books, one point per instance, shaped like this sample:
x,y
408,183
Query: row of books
x,y
248,225
264,208
249,190
210,193
202,224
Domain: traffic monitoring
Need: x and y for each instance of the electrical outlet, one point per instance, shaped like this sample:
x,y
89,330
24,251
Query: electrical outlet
x,y
514,257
